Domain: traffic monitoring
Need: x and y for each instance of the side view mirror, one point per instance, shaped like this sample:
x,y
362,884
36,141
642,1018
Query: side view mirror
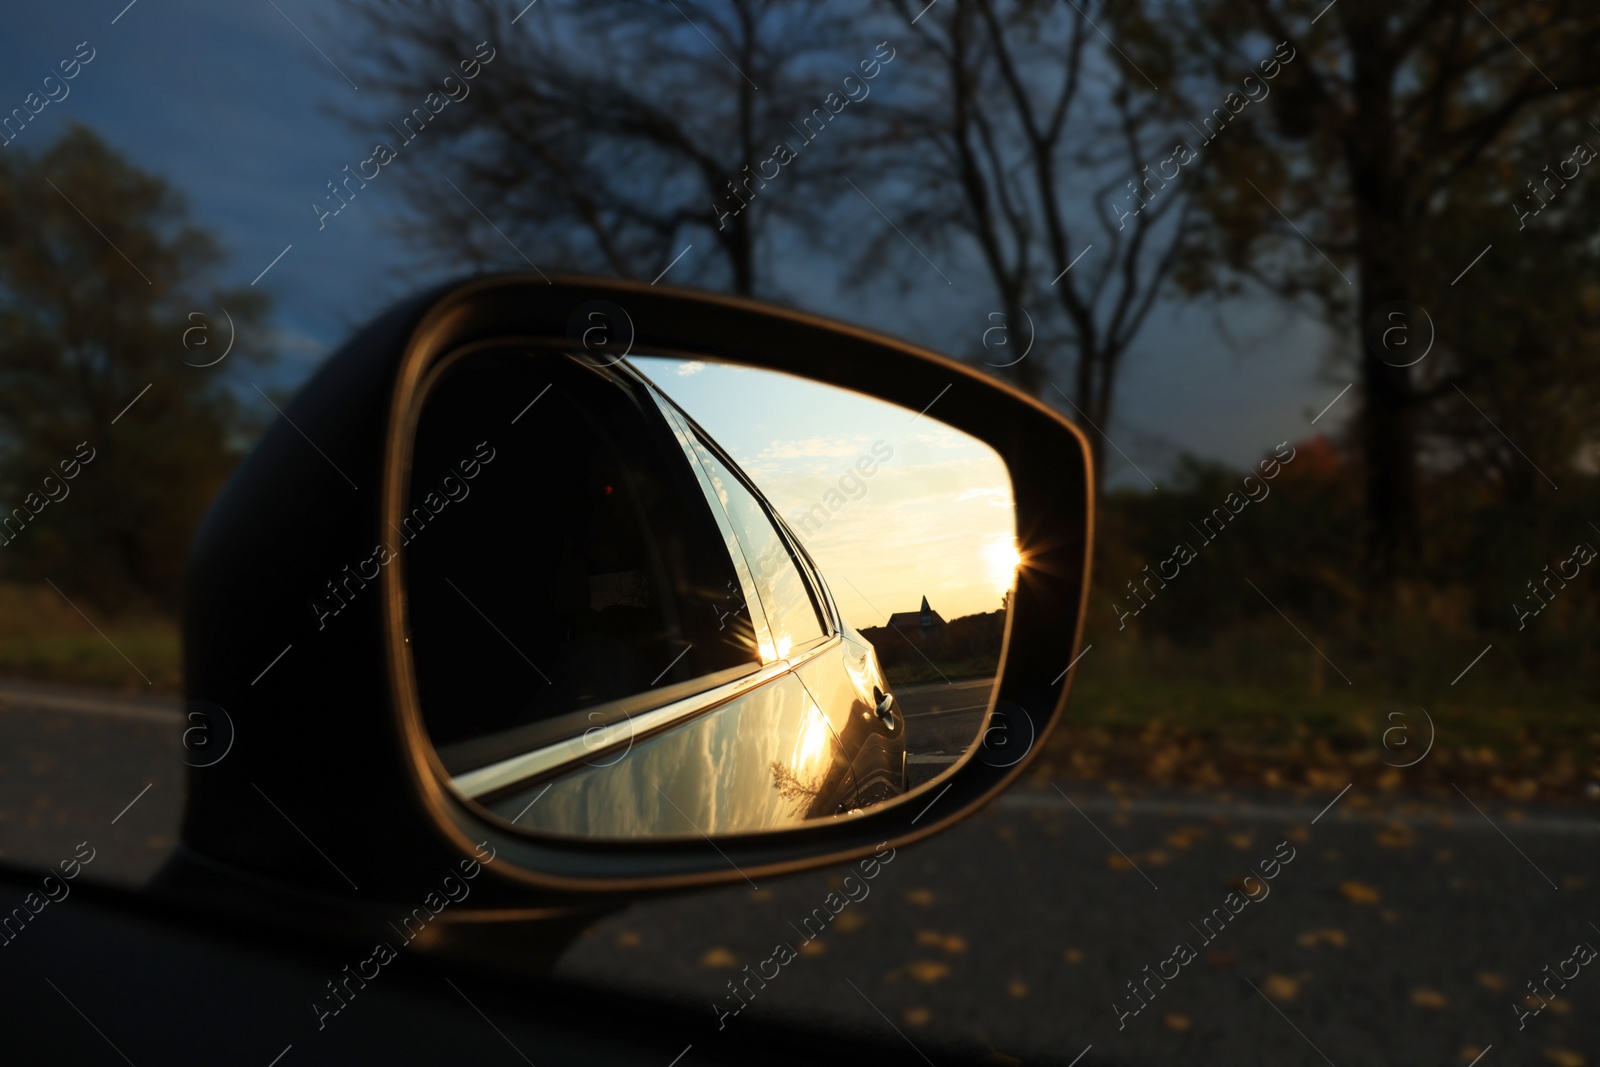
x,y
602,589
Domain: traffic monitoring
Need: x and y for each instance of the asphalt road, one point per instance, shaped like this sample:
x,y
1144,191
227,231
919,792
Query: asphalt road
x,y
942,719
71,759
1399,933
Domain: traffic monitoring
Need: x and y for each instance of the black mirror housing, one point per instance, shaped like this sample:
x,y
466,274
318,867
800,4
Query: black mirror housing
x,y
332,794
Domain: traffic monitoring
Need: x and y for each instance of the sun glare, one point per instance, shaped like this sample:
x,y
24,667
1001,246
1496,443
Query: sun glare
x,y
1002,559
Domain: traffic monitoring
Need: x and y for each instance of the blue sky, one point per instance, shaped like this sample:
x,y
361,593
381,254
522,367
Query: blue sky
x,y
235,107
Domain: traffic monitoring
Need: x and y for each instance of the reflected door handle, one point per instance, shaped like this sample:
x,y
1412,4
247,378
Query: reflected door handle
x,y
885,705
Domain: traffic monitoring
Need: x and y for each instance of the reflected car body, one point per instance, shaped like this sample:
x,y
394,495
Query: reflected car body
x,y
807,730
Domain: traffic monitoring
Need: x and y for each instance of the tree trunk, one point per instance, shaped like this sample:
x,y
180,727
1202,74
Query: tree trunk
x,y
1088,360
1387,423
1388,445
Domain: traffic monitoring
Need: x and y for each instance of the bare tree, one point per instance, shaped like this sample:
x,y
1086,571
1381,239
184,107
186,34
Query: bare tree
x,y
1038,148
607,136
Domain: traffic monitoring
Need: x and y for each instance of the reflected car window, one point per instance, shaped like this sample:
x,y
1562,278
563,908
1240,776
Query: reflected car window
x,y
792,613
602,579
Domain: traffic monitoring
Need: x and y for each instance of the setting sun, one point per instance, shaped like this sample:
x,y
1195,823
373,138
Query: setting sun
x,y
1002,559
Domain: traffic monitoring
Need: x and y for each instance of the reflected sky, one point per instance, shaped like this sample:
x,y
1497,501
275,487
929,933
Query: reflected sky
x,y
933,518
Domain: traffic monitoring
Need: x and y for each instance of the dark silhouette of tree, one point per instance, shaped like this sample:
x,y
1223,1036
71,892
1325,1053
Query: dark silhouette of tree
x,y
1024,139
1514,372
607,136
1395,123
100,271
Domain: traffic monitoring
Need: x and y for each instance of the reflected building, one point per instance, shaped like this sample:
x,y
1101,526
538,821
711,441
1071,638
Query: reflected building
x,y
927,622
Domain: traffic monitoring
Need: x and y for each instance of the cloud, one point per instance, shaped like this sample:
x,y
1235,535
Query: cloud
x,y
694,366
812,447
996,495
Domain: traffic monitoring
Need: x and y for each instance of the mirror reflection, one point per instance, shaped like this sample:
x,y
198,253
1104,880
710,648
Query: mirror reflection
x,y
665,597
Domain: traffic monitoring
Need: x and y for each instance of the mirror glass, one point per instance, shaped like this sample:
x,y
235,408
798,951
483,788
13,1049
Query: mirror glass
x,y
670,597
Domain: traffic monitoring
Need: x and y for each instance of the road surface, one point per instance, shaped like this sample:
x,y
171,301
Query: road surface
x,y
1399,933
942,719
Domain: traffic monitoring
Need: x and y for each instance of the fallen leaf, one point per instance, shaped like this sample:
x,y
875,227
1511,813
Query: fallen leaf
x,y
1176,1022
952,943
627,939
1017,989
1317,778
920,896
916,1016
1218,958
1074,955
1185,836
1281,987
1471,1053
1358,893
1494,983
1429,998
760,894
849,920
927,971
718,957
1156,858
1118,862
1563,1057
1395,835
813,948
1325,936
1241,841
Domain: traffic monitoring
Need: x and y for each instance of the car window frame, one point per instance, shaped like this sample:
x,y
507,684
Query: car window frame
x,y
820,604
756,607
809,566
